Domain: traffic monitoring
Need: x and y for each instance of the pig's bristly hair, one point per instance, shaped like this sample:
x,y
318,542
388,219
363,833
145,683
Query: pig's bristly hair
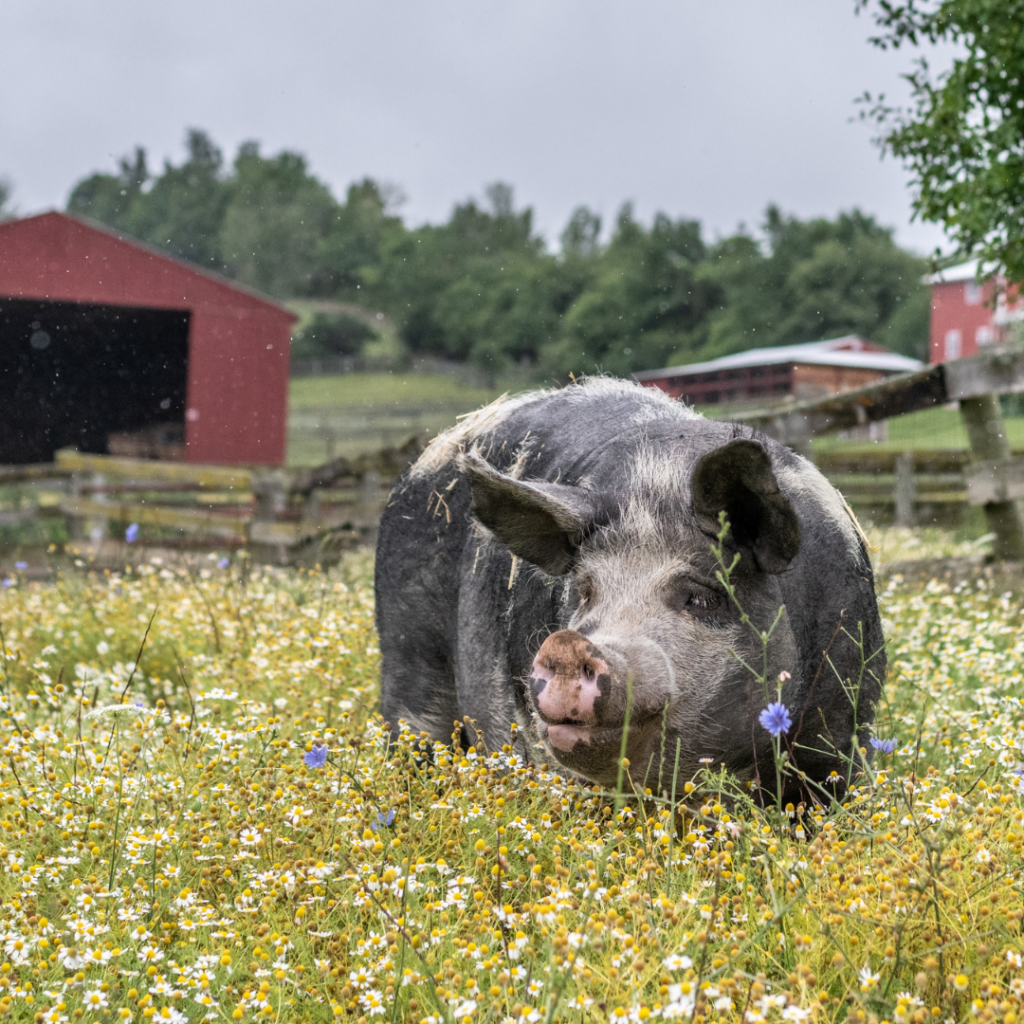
x,y
655,475
476,426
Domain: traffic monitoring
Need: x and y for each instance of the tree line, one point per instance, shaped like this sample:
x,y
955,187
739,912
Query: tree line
x,y
486,287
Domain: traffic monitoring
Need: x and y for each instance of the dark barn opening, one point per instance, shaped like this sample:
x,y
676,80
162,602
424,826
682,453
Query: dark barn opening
x,y
97,378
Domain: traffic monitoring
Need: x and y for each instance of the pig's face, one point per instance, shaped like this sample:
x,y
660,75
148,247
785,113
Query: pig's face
x,y
652,637
655,636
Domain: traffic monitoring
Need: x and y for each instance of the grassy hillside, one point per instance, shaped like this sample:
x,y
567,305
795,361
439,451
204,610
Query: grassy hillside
x,y
352,413
372,390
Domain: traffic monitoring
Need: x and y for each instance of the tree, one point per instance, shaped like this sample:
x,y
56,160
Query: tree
x,y
6,210
962,135
479,287
185,207
180,211
266,220
113,199
275,219
331,334
645,303
503,304
816,279
581,238
504,311
347,257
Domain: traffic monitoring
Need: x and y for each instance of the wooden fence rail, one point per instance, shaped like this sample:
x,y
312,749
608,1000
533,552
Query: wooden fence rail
x,y
275,511
994,479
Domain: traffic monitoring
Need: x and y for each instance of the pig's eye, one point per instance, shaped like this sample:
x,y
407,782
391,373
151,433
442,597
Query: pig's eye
x,y
585,588
687,595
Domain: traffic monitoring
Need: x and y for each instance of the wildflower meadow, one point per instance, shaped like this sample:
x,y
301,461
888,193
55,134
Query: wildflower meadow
x,y
204,818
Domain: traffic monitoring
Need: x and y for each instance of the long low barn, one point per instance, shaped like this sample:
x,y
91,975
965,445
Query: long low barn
x,y
109,346
812,370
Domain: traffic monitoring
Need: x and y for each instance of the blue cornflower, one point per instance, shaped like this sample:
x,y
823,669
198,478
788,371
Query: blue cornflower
x,y
885,746
316,758
132,533
21,566
223,563
775,718
384,820
8,582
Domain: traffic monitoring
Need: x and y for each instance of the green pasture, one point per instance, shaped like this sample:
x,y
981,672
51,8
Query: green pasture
x,y
373,390
356,412
353,413
928,430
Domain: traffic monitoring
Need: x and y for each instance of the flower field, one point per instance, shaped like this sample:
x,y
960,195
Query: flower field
x,y
203,819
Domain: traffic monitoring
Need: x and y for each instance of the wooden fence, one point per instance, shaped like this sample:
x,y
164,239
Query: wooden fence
x,y
993,478
278,513
283,512
910,485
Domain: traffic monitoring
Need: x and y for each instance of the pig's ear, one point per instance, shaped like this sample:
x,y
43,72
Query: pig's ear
x,y
737,479
540,522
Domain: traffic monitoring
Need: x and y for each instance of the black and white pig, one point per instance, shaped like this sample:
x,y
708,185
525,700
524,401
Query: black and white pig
x,y
552,554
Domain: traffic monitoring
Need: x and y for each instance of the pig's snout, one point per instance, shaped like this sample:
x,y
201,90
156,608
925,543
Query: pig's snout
x,y
567,678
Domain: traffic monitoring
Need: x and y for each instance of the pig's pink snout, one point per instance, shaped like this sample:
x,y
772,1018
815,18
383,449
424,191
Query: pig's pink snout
x,y
566,678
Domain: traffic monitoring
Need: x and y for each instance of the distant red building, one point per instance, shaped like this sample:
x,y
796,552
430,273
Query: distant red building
x,y
968,315
106,344
812,370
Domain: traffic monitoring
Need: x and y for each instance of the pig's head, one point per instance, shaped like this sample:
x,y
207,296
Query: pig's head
x,y
651,636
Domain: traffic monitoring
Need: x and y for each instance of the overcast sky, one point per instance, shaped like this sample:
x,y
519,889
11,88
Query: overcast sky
x,y
706,110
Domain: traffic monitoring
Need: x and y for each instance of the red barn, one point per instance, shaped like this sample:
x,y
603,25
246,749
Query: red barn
x,y
109,346
968,314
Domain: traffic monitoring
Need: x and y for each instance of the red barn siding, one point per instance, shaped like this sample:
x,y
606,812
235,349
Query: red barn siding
x,y
961,315
239,342
237,402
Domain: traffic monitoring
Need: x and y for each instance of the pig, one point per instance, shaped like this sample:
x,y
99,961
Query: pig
x,y
549,563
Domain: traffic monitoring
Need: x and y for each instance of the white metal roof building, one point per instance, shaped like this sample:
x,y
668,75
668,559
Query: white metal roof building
x,y
811,370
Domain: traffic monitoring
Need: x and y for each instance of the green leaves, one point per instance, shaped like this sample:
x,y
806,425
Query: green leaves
x,y
818,279
267,221
276,216
485,287
962,136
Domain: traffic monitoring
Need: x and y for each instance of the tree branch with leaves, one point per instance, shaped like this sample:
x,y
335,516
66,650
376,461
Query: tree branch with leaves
x,y
962,134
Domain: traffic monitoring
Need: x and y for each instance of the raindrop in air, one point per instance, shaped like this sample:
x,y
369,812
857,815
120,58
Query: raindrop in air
x,y
165,404
39,340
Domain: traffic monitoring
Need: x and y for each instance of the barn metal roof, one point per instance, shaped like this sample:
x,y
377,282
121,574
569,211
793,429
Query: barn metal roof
x,y
849,351
971,271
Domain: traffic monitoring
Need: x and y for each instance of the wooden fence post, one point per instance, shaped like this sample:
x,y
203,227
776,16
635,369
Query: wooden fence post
x,y
76,523
986,433
311,511
270,499
100,526
905,490
368,505
269,494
